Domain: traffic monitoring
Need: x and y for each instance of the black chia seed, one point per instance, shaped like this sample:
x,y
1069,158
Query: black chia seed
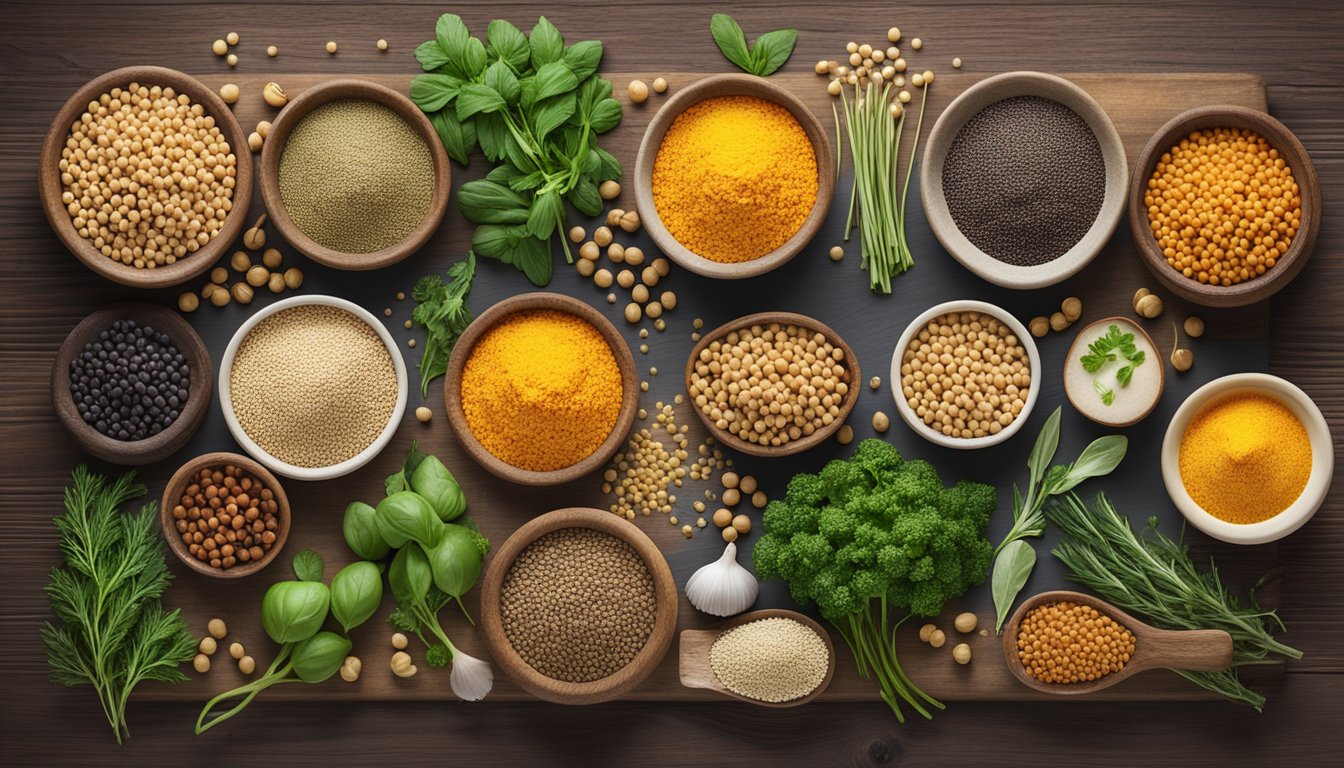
x,y
130,383
1024,180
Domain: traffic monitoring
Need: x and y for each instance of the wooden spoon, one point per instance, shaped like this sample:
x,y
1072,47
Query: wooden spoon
x,y
696,672
1197,650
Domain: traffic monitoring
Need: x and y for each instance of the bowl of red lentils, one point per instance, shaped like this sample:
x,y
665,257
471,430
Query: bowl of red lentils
x,y
965,374
224,515
1224,205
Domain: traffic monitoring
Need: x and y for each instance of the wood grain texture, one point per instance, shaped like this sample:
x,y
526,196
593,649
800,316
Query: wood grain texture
x,y
49,49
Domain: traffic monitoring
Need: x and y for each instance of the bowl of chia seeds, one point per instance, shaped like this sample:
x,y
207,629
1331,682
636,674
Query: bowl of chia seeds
x,y
1024,179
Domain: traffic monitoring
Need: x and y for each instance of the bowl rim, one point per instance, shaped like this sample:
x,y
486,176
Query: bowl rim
x,y
716,86
487,321
787,318
1322,458
293,113
285,468
1304,172
965,305
49,185
166,442
1161,373
966,105
178,482
623,679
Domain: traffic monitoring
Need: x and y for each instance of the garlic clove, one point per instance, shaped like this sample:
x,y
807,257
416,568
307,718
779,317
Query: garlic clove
x,y
723,587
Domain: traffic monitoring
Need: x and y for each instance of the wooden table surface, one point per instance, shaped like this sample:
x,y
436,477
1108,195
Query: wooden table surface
x,y
47,49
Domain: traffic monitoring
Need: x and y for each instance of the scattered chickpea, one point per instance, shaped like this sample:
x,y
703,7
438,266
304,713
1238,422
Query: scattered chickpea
x,y
894,35
1039,326
961,653
609,189
423,414
834,87
231,38
272,51
639,92
220,296
277,284
837,253
576,234
730,480
625,278
653,310
614,217
264,128
667,298
660,85
633,313
258,276
208,645
293,278
602,237
1058,322
585,267
634,256
880,421
399,641
410,343
408,325
730,534
630,221
589,251
217,628
966,622
875,383
1072,307
845,436
602,278
381,44
937,638
742,523
928,76
232,60
700,523
640,293
242,293
732,497
1149,306
759,500
274,95
240,261
219,47
348,673
188,302
723,517
236,650
201,663
687,531
272,258
331,46
611,298
1138,295
1194,327
956,63
247,665
925,632
917,80
229,93
917,44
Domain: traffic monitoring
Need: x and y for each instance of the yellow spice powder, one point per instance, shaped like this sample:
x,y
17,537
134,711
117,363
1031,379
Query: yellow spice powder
x,y
541,390
735,178
1245,459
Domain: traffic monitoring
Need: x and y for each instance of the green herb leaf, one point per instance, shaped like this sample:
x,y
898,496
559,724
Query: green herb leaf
x,y
452,36
533,257
474,57
585,197
1098,459
441,309
502,81
506,43
583,57
307,565
1012,568
771,50
545,217
492,134
554,79
1043,452
1107,394
551,114
478,97
432,92
431,56
610,167
547,44
457,137
732,42
606,115
494,241
488,202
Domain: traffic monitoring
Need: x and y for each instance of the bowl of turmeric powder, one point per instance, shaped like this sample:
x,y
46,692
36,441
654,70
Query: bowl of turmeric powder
x,y
1248,458
541,389
734,177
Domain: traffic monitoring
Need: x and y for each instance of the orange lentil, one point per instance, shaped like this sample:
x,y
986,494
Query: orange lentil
x,y
1066,642
541,390
735,177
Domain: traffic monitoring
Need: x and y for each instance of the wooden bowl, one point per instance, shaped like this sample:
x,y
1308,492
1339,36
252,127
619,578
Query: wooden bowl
x,y
50,187
293,113
1197,650
184,476
714,87
1304,172
696,672
452,388
615,684
967,105
793,446
1076,351
165,443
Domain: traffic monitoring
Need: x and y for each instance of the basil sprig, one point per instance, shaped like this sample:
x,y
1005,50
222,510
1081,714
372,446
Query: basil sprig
x,y
769,53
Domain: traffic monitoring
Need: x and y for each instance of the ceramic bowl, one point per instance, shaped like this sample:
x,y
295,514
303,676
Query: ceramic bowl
x,y
50,188
457,417
1322,458
1309,187
185,476
165,443
1077,350
283,467
269,175
965,443
714,87
967,105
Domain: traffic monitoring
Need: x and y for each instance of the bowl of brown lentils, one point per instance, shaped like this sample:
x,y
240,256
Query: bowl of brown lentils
x,y
965,374
224,515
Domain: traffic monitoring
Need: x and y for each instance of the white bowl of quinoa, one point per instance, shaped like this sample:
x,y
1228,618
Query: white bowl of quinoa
x,y
313,387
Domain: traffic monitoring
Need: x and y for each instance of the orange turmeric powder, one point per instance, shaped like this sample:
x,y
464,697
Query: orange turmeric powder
x,y
541,391
1245,459
735,177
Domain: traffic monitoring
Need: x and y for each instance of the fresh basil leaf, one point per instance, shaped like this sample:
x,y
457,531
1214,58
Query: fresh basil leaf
x,y
517,155
1099,458
610,167
431,56
452,37
502,80
527,181
1043,452
533,257
496,242
508,44
585,197
528,88
432,92
546,42
771,50
457,140
732,43
487,202
1012,568
473,57
554,79
503,174
307,565
606,115
591,93
551,114
477,97
583,57
548,210
491,132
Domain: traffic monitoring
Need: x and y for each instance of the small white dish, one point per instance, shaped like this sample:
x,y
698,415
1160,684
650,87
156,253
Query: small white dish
x,y
1322,458
916,423
283,467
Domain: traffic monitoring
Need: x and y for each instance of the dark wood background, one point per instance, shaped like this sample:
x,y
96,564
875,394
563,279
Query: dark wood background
x,y
47,49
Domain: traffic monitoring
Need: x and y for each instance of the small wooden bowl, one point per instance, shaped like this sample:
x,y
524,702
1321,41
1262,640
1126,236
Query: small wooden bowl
x,y
50,187
452,388
1197,650
185,475
696,672
1304,172
615,684
165,443
1075,352
793,446
714,87
293,113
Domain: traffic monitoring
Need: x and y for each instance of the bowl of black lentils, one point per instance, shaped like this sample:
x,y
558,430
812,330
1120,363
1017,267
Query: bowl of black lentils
x,y
132,382
1024,179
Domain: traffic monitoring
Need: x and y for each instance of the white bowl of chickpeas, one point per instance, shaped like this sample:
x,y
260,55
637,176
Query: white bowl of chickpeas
x,y
965,375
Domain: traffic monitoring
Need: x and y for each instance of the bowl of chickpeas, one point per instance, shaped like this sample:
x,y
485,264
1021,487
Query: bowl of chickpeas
x,y
146,176
965,375
1224,206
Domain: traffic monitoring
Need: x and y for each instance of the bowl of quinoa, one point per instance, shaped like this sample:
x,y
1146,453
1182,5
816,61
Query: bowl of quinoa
x,y
313,387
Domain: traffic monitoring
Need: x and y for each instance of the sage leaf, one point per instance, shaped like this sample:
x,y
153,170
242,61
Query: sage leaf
x,y
546,42
1043,452
1099,458
1012,568
507,43
432,92
727,34
583,57
771,50
477,97
307,565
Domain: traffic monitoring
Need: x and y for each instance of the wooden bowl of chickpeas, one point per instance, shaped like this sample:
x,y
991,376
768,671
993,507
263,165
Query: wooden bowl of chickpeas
x,y
146,176
1245,235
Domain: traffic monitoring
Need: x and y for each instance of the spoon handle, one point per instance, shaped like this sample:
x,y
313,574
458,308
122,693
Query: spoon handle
x,y
1195,650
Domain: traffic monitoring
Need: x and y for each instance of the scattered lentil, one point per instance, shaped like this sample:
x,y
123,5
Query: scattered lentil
x,y
1066,642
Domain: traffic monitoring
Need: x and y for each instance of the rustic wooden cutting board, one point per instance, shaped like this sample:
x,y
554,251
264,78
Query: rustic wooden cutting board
x,y
836,294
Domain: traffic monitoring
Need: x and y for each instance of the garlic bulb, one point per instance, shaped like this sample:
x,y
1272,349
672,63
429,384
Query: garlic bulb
x,y
723,587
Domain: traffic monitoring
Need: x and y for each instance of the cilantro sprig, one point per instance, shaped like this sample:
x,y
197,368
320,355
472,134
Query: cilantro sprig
x,y
1114,347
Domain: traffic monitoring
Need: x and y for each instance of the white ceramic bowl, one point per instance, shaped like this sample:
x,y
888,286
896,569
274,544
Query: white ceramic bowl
x,y
283,467
967,105
1322,458
965,443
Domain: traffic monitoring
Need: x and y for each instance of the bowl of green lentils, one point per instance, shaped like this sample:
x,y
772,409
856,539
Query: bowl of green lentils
x,y
354,175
